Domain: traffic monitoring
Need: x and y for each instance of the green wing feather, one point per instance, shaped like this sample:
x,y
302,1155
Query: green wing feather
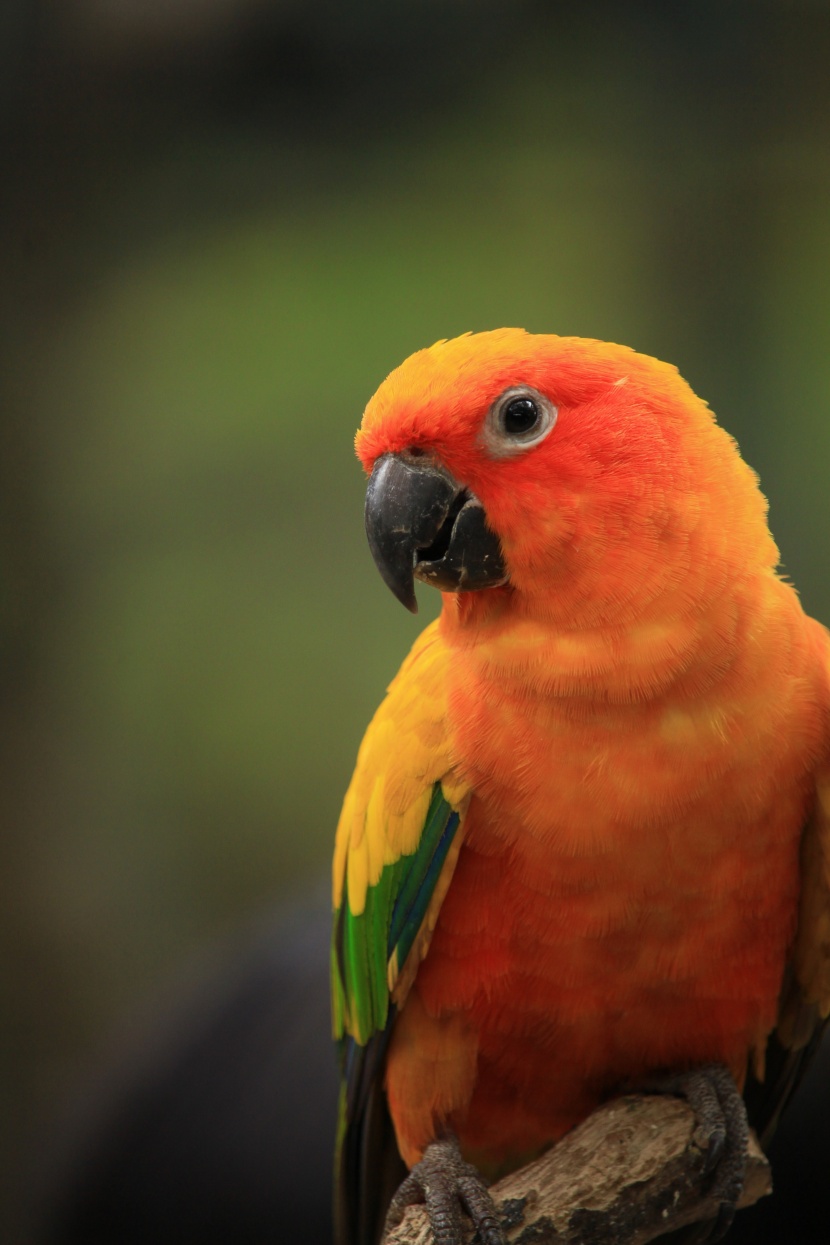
x,y
369,950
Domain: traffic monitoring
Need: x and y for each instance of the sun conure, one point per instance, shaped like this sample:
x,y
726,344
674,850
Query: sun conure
x,y
587,841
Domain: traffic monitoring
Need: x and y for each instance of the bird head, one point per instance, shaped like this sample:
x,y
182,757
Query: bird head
x,y
555,474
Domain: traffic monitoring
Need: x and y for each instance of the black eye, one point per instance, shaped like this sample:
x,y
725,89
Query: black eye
x,y
520,417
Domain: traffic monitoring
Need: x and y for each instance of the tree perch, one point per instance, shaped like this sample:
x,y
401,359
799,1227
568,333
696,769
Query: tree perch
x,y
630,1173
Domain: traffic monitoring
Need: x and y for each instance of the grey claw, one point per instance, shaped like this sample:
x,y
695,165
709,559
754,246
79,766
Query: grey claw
x,y
447,1186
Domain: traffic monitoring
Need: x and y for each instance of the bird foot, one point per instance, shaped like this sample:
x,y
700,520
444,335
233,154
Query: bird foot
x,y
722,1131
448,1186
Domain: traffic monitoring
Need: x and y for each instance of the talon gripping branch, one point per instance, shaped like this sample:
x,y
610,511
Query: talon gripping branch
x,y
586,844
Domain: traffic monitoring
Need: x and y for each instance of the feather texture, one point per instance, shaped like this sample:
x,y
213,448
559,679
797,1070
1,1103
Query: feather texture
x,y
397,845
633,733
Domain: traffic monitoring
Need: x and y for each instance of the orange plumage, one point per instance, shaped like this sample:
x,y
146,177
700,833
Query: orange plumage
x,y
637,724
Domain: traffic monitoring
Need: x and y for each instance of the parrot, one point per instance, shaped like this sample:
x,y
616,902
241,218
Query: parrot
x,y
586,846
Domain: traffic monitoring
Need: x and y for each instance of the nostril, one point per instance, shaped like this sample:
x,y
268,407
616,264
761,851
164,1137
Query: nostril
x,y
415,451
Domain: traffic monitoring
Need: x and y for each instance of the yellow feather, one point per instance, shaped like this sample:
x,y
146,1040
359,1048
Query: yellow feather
x,y
411,824
358,875
405,751
376,822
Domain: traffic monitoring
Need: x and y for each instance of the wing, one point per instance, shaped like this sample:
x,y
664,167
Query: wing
x,y
396,847
805,997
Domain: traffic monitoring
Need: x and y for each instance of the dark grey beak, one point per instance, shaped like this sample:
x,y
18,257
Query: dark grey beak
x,y
421,522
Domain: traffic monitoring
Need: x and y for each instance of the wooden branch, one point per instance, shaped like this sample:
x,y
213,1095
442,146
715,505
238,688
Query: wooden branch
x,y
631,1172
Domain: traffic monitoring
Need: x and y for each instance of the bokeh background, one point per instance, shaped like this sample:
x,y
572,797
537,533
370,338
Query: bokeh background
x,y
222,222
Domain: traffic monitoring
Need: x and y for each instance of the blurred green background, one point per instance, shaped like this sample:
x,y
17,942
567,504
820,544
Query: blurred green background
x,y
222,222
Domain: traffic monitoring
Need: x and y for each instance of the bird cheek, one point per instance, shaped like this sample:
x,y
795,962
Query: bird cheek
x,y
538,541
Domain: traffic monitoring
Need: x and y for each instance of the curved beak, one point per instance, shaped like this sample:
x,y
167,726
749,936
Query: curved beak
x,y
421,522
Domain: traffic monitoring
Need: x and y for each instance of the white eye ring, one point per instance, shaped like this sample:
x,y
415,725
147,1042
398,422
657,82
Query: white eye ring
x,y
518,419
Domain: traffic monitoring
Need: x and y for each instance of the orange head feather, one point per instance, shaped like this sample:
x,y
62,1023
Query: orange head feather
x,y
634,490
